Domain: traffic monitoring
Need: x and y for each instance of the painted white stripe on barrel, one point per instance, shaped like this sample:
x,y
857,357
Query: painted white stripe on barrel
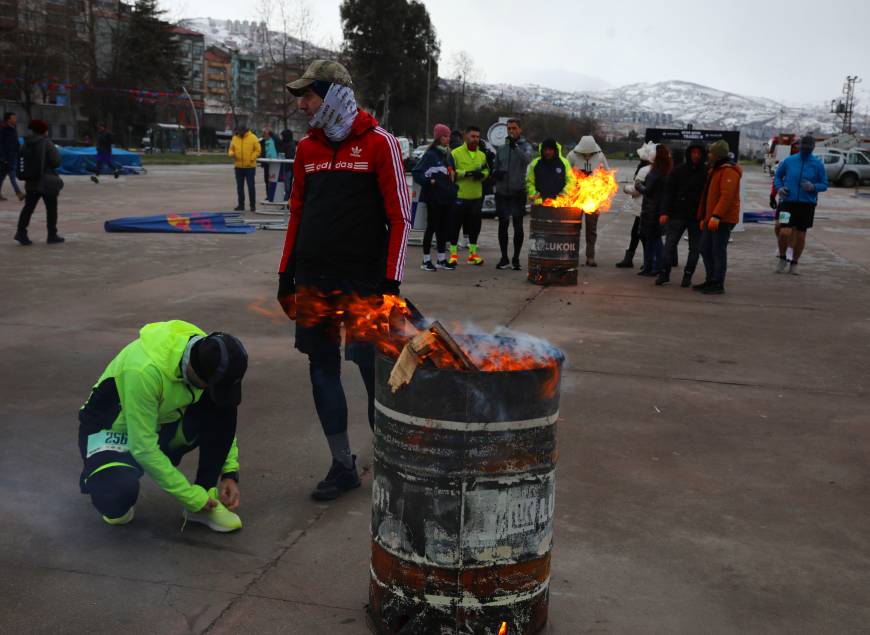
x,y
466,600
469,426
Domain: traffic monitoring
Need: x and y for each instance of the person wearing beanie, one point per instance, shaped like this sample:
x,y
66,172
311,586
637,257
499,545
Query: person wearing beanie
x,y
587,156
550,174
41,159
718,213
168,392
512,161
435,173
350,212
471,171
798,180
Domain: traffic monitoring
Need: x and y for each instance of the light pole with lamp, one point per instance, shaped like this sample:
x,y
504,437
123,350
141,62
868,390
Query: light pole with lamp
x,y
195,117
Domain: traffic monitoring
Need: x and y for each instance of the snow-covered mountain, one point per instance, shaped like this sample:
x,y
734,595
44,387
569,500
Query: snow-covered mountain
x,y
671,103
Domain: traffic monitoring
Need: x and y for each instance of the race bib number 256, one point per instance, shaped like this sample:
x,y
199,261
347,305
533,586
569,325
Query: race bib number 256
x,y
106,441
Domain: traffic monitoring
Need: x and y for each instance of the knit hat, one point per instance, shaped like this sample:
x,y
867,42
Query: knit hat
x,y
719,149
38,126
549,143
221,361
440,130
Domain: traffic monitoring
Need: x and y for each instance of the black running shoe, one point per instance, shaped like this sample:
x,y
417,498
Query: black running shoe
x,y
701,286
339,480
428,266
504,263
515,264
446,264
22,238
54,239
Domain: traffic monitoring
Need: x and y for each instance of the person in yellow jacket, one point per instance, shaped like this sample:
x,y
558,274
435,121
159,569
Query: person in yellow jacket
x,y
471,171
549,174
171,390
244,149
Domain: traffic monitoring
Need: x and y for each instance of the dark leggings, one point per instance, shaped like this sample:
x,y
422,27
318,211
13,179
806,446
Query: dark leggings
x,y
635,236
437,219
466,215
324,368
30,201
511,209
205,425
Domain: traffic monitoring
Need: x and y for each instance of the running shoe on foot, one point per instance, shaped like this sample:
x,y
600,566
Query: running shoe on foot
x,y
120,520
504,263
453,260
22,238
716,288
218,518
474,259
663,279
339,480
687,280
701,286
239,208
781,264
515,264
445,264
428,266
793,269
95,179
54,239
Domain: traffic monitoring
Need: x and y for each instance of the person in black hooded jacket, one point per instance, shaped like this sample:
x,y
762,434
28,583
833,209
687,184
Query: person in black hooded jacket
x,y
680,200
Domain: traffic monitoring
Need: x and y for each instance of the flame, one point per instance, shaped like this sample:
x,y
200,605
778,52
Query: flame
x,y
503,629
592,193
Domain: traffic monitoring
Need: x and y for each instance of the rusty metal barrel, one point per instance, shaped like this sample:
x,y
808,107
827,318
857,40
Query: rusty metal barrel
x,y
463,500
554,245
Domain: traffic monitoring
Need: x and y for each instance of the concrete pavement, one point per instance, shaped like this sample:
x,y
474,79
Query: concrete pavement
x,y
713,450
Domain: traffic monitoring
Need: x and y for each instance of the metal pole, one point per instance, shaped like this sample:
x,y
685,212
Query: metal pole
x,y
428,80
195,117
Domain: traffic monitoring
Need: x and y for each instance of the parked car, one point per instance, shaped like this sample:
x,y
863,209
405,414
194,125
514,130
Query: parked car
x,y
846,168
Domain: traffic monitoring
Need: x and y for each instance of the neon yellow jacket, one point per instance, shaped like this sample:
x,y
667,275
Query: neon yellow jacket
x,y
153,393
531,187
245,150
467,161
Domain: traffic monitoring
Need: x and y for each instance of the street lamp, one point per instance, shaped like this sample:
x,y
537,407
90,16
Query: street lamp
x,y
195,117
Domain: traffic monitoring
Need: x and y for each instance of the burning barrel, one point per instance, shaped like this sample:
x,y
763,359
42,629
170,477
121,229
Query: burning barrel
x,y
463,499
554,246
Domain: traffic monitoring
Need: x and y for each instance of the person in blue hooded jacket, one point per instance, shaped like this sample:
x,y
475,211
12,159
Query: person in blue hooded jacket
x,y
798,180
435,174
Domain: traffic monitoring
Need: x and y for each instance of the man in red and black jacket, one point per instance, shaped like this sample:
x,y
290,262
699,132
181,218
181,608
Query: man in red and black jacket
x,y
350,211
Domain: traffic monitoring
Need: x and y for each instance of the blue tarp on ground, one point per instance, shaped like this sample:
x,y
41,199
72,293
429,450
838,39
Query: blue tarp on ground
x,y
188,223
75,160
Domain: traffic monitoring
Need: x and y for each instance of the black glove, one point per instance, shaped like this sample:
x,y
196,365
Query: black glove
x,y
773,201
286,294
388,287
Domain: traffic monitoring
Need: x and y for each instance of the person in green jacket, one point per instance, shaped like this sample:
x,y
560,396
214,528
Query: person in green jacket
x,y
549,174
171,390
471,171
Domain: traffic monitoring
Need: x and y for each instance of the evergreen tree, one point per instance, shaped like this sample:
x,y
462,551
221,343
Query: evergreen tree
x,y
150,56
388,47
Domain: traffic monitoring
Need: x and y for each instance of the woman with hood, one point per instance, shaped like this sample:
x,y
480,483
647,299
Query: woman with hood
x,y
646,153
586,157
41,159
435,173
652,189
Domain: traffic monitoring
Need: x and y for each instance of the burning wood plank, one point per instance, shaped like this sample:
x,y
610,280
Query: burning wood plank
x,y
422,348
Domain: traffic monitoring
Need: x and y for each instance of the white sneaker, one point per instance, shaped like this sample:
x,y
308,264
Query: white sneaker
x,y
793,269
781,264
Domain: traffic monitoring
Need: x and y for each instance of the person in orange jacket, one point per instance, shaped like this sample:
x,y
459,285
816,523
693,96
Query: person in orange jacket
x,y
718,213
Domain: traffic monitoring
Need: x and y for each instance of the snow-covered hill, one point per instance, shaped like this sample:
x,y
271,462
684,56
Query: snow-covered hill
x,y
671,103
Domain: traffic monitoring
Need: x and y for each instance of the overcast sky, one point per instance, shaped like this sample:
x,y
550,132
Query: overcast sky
x,y
797,51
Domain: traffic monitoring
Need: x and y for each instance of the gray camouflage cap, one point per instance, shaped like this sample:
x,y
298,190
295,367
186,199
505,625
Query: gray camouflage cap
x,y
320,70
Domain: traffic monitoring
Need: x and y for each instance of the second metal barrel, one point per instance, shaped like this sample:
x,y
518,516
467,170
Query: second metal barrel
x,y
554,245
463,500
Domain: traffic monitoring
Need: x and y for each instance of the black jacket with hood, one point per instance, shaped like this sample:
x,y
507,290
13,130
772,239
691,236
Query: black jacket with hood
x,y
684,186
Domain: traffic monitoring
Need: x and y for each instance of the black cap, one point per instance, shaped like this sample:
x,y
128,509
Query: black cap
x,y
220,360
549,143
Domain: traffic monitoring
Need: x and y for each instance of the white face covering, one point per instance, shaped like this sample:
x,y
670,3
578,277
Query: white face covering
x,y
336,113
185,358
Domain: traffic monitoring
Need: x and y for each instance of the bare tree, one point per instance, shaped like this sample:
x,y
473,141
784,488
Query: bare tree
x,y
466,74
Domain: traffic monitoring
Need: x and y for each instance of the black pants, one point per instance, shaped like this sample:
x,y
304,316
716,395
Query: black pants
x,y
437,222
246,175
635,236
205,425
466,215
30,201
673,234
714,251
319,337
510,209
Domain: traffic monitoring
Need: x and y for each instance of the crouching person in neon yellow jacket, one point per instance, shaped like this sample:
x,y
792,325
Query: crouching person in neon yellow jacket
x,y
171,390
